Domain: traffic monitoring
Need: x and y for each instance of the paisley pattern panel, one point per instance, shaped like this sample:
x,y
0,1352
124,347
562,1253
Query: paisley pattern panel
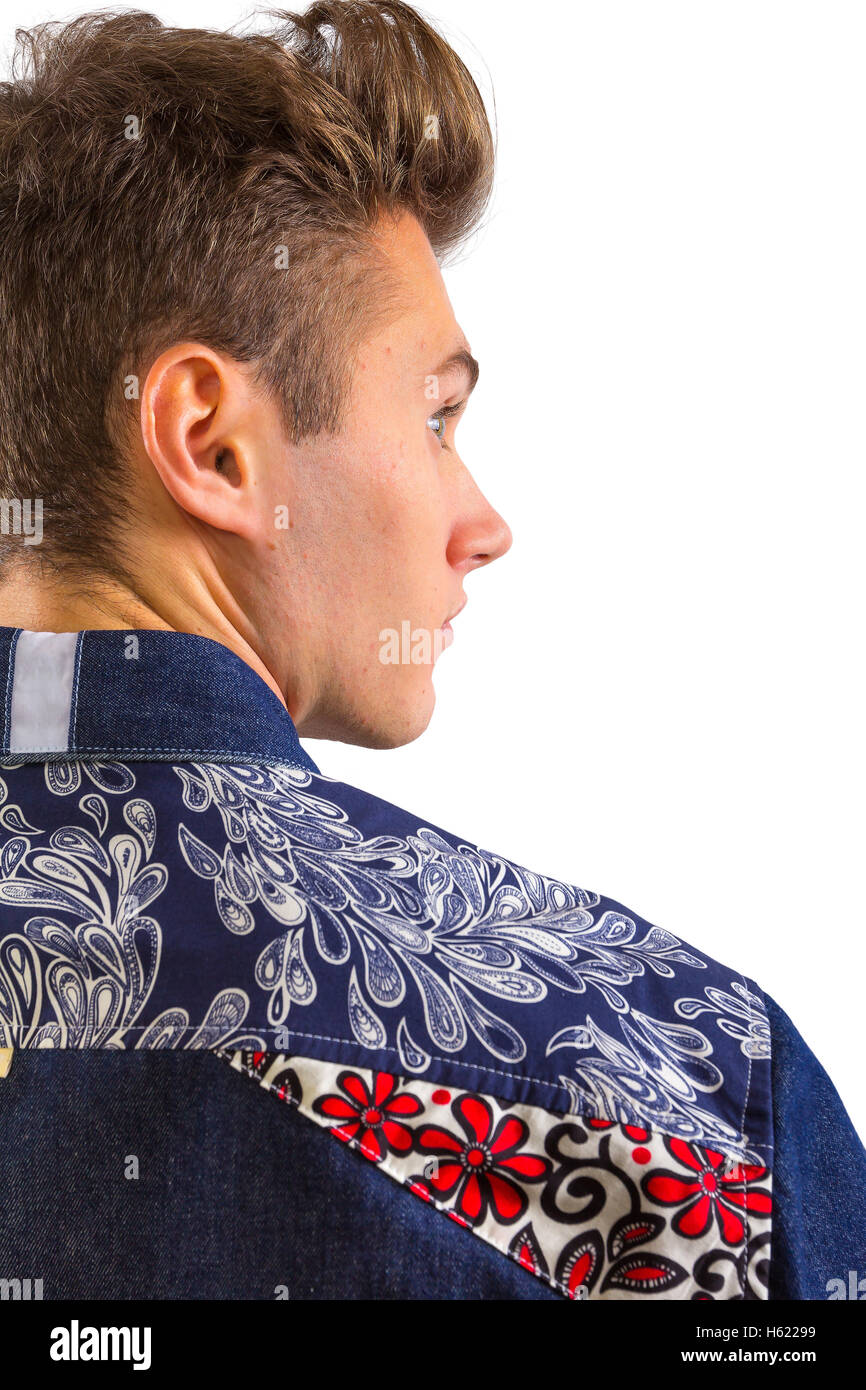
x,y
273,909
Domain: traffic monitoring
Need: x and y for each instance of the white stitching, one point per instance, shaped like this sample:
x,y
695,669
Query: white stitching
x,y
73,704
745,1166
8,707
228,1043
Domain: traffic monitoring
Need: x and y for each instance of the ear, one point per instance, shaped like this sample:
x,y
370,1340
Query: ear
x,y
198,412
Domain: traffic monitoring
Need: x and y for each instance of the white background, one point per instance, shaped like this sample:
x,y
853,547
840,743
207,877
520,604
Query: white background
x,y
658,694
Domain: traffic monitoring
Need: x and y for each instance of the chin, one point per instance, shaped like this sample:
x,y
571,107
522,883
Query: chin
x,y
378,720
396,727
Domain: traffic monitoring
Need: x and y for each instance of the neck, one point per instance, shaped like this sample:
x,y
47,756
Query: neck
x,y
46,603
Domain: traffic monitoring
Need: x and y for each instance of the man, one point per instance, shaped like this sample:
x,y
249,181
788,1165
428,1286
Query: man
x,y
231,383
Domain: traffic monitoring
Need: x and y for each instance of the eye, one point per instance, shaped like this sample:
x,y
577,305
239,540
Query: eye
x,y
437,424
437,421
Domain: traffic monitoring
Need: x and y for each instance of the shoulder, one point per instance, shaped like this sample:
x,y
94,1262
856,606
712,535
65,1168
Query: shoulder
x,y
559,994
819,1173
352,923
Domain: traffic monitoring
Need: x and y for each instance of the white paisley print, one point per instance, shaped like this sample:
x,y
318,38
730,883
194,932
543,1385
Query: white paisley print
x,y
91,952
417,915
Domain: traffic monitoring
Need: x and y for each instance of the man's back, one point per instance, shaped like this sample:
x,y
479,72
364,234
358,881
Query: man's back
x,y
235,512
592,1097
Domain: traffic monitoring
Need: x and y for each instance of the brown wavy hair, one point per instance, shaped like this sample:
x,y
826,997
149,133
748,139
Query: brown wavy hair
x,y
112,248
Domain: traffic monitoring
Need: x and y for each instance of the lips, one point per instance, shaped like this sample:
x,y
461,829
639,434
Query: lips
x,y
446,628
451,616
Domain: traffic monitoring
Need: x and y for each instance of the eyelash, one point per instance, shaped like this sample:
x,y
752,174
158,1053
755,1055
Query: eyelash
x,y
447,410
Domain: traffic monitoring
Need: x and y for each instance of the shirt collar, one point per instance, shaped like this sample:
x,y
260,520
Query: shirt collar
x,y
137,695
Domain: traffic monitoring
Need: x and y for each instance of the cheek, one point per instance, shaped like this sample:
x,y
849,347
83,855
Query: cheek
x,y
381,510
404,497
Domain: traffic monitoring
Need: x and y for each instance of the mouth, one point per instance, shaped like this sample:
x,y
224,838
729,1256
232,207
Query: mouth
x,y
447,629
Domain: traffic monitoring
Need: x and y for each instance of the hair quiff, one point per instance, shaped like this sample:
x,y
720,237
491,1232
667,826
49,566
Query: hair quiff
x,y
112,248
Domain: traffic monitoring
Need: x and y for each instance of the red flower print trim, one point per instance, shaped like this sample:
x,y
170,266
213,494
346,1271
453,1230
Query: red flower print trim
x,y
632,1230
708,1189
375,1121
525,1249
644,1274
483,1171
580,1264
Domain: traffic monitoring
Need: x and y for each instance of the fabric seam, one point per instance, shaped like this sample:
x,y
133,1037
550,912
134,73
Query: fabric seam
x,y
228,1044
748,994
73,703
9,674
74,755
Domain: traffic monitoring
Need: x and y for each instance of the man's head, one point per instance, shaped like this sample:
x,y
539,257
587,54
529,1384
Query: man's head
x,y
231,369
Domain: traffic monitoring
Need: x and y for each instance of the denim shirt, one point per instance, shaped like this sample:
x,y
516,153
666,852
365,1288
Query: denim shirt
x,y
195,921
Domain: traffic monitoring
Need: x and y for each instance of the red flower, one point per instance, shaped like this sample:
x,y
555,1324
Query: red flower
x,y
482,1171
635,1132
371,1119
708,1190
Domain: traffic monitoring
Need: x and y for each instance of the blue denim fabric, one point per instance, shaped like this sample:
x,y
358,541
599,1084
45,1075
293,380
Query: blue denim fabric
x,y
819,1177
151,703
237,1193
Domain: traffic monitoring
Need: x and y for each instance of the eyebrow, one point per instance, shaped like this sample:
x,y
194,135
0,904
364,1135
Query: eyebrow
x,y
460,361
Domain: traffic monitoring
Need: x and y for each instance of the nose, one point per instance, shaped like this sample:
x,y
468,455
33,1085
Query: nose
x,y
499,542
481,537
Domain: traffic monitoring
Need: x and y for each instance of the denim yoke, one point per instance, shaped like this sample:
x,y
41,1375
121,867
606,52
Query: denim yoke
x,y
576,1088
